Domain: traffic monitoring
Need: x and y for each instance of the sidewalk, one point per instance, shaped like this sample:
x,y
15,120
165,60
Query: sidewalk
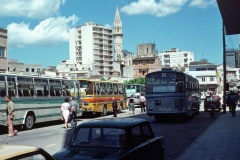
x,y
221,141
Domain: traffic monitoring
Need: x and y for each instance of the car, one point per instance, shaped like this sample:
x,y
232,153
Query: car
x,y
15,152
113,138
212,99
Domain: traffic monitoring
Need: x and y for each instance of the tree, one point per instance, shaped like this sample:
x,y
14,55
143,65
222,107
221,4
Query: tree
x,y
136,81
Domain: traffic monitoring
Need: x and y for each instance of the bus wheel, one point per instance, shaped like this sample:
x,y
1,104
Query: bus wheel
x,y
104,113
29,121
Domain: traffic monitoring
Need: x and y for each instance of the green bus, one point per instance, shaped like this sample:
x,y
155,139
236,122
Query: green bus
x,y
36,99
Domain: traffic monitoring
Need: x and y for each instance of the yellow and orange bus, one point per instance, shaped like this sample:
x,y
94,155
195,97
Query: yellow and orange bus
x,y
97,96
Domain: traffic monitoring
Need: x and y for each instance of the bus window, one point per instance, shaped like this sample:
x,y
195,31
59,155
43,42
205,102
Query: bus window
x,y
96,88
55,87
115,88
103,88
90,88
109,88
120,88
2,86
180,86
11,84
40,87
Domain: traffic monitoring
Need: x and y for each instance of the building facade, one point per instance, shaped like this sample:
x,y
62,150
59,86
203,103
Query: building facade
x,y
176,59
232,58
206,73
16,67
91,45
146,60
3,50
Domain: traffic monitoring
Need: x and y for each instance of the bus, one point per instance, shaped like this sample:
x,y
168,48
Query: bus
x,y
97,96
136,90
36,99
171,92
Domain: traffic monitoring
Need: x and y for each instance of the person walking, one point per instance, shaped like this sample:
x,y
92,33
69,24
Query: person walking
x,y
114,106
232,102
73,112
65,111
131,104
142,102
10,116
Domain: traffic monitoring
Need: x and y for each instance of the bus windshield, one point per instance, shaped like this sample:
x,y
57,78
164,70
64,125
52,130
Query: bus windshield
x,y
135,89
165,82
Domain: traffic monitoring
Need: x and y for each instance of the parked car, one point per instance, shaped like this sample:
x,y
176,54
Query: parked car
x,y
113,138
212,99
15,152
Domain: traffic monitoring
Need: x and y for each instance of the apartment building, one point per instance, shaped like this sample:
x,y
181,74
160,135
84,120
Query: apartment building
x,y
146,60
3,50
174,58
16,67
91,45
206,73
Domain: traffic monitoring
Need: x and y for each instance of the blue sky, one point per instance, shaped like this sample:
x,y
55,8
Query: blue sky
x,y
38,29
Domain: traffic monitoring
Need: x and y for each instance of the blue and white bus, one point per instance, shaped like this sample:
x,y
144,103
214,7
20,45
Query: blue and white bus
x,y
171,92
36,99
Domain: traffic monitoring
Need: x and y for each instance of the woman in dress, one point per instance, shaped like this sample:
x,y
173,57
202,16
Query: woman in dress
x,y
65,111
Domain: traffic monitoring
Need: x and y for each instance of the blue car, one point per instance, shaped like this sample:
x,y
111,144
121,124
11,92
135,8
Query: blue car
x,y
113,138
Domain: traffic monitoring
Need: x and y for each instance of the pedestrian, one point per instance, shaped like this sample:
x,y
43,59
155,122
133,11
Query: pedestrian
x,y
142,102
10,116
65,111
114,106
131,104
232,102
73,112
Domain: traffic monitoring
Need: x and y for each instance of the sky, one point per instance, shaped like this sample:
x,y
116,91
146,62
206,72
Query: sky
x,y
38,29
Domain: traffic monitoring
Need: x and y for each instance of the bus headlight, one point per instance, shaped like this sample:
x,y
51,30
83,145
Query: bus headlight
x,y
86,103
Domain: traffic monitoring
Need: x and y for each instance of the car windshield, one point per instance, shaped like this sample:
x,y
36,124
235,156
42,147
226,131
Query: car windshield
x,y
212,98
99,137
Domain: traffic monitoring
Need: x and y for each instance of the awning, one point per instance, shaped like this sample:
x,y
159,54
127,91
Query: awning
x,y
230,12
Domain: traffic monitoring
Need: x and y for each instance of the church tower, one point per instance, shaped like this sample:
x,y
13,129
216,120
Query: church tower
x,y
118,35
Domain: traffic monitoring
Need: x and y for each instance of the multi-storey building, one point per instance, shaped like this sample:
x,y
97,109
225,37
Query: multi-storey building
x,y
91,45
232,77
3,50
176,59
16,67
146,60
232,58
206,73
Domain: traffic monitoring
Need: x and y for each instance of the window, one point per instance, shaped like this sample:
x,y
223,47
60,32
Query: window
x,y
2,52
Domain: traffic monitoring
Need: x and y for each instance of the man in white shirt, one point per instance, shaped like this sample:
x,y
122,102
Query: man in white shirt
x,y
142,102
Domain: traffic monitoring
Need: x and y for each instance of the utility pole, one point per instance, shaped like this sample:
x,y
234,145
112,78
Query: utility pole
x,y
224,70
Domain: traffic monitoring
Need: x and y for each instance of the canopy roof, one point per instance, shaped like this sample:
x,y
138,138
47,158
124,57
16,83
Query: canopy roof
x,y
230,11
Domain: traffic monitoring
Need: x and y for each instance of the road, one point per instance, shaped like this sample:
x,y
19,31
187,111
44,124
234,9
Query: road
x,y
178,134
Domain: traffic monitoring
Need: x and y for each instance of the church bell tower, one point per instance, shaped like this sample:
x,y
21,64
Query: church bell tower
x,y
118,35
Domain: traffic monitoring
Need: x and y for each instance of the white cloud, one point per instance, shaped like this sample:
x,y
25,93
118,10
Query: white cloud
x,y
160,9
163,7
202,3
30,8
48,32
